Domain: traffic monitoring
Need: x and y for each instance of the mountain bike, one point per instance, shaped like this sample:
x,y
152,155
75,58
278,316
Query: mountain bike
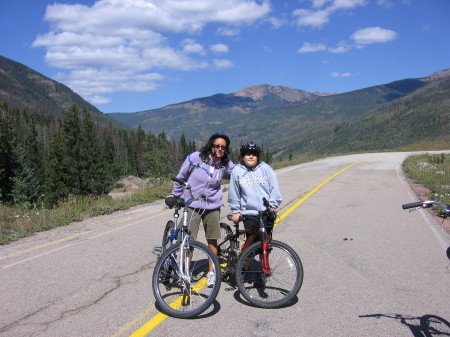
x,y
179,277
268,273
427,204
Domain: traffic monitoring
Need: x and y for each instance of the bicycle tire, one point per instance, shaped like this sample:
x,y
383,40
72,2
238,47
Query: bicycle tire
x,y
170,226
180,297
277,289
224,249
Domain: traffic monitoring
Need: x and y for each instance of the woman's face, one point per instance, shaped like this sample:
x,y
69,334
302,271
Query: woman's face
x,y
219,147
250,159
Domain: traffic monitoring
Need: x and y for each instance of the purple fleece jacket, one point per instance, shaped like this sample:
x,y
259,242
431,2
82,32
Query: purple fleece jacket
x,y
202,181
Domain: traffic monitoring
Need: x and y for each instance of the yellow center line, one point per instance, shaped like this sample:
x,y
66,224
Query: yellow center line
x,y
314,190
147,327
160,317
74,236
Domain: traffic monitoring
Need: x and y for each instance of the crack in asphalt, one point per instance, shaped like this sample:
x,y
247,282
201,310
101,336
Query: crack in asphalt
x,y
41,327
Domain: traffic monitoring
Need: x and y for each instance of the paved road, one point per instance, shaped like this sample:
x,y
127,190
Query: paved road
x,y
371,269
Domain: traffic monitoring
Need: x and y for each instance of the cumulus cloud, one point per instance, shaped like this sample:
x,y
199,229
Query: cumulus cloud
x,y
336,74
223,63
371,35
117,45
361,38
228,31
219,48
308,47
322,10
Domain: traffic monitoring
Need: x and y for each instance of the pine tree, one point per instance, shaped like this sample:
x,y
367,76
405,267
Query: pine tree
x,y
140,149
8,161
28,180
89,162
56,184
71,132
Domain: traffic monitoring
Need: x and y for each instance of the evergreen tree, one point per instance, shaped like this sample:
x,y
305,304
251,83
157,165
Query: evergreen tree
x,y
56,185
185,147
150,156
71,133
140,149
28,181
8,161
89,161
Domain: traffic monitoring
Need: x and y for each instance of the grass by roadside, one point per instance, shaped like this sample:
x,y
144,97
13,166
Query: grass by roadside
x,y
433,172
16,223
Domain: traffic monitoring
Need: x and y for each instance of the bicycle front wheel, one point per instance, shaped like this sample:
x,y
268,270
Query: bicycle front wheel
x,y
168,231
180,280
280,286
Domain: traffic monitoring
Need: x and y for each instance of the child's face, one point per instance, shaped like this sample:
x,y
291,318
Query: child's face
x,y
250,159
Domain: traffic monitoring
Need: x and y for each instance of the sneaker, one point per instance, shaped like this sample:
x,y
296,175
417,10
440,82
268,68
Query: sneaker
x,y
211,279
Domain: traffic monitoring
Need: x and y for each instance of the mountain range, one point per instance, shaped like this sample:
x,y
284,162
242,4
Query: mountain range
x,y
290,121
411,112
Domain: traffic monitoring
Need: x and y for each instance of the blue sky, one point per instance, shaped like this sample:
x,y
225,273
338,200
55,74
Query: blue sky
x,y
134,55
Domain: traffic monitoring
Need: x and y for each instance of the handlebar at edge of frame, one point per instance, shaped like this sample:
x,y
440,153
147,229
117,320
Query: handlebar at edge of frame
x,y
427,204
412,205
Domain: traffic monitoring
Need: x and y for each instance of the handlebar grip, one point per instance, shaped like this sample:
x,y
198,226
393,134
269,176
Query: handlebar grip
x,y
230,217
266,203
412,205
184,183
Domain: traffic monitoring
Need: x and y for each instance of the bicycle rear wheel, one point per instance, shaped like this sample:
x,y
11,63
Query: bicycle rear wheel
x,y
225,251
276,289
182,292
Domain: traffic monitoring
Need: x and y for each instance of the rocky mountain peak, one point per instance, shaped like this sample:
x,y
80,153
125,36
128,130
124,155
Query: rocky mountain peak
x,y
261,91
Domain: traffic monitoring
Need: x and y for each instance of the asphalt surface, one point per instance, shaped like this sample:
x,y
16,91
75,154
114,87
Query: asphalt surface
x,y
371,268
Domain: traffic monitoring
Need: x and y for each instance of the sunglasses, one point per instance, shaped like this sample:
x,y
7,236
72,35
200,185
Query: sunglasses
x,y
251,153
217,146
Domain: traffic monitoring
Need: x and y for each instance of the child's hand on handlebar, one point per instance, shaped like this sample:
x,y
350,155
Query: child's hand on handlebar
x,y
236,217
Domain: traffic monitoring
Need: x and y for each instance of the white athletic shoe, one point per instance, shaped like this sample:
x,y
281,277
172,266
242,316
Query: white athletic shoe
x,y
211,279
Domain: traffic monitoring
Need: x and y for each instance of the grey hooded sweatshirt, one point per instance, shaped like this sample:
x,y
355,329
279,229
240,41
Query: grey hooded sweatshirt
x,y
249,186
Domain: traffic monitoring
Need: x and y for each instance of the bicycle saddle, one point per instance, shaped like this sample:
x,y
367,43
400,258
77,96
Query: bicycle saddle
x,y
174,202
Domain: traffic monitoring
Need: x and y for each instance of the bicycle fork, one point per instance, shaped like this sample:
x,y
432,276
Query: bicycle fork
x,y
265,251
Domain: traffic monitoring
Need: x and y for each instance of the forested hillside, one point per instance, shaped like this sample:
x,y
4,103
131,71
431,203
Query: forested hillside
x,y
78,157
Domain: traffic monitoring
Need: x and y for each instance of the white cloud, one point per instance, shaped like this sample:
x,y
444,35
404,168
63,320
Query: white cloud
x,y
371,35
311,18
341,48
308,47
336,74
190,46
318,17
116,45
227,31
222,64
219,48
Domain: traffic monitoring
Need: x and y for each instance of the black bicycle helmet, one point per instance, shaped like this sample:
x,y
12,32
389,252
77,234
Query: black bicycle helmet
x,y
250,147
220,134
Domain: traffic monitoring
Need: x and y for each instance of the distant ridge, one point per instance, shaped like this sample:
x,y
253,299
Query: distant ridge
x,y
291,120
23,88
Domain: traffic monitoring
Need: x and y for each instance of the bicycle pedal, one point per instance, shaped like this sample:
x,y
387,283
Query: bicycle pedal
x,y
158,250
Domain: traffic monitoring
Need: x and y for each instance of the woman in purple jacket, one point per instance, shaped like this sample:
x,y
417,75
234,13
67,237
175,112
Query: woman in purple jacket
x,y
204,171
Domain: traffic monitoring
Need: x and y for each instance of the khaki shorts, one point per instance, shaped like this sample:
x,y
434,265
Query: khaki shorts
x,y
210,219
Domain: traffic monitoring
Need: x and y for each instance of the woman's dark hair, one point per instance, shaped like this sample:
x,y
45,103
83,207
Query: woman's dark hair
x,y
205,152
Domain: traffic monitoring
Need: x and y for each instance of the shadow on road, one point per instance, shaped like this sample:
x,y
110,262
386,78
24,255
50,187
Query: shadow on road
x,y
422,326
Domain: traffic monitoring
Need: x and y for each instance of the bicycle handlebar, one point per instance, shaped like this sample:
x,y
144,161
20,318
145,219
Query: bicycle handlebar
x,y
183,183
186,186
427,204
412,205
